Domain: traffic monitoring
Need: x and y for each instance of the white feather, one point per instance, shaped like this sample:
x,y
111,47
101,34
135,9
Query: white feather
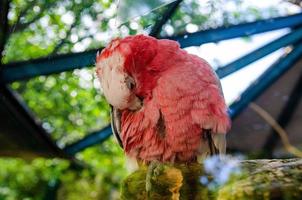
x,y
113,81
131,164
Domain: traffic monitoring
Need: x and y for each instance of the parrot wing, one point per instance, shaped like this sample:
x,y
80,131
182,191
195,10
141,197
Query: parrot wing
x,y
192,102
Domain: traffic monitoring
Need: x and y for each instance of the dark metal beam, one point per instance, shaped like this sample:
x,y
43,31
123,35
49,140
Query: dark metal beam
x,y
90,140
45,66
238,64
36,140
166,16
285,116
67,62
240,30
265,80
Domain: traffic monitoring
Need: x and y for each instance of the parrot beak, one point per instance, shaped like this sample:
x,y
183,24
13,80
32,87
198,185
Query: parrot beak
x,y
116,124
136,104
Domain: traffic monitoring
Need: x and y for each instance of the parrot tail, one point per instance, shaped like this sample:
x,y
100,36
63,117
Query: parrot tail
x,y
207,136
211,144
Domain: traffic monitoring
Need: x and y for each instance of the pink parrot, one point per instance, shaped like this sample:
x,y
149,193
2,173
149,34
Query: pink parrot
x,y
167,104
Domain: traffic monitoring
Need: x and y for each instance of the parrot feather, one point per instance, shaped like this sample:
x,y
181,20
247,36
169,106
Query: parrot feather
x,y
168,105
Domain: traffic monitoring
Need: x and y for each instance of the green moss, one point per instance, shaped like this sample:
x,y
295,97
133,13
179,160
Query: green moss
x,y
134,186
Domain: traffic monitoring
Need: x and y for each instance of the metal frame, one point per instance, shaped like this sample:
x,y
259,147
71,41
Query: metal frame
x,y
46,66
166,16
234,31
265,80
90,140
259,53
284,117
50,65
27,120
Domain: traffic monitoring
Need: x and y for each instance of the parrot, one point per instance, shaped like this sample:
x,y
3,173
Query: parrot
x,y
166,105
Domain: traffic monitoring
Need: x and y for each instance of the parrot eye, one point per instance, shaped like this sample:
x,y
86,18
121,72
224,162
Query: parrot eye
x,y
130,83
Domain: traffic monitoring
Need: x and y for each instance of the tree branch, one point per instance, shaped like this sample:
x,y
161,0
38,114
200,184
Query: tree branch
x,y
29,6
60,45
63,41
18,27
68,33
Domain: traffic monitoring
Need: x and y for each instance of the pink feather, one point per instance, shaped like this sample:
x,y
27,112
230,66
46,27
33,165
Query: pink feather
x,y
178,87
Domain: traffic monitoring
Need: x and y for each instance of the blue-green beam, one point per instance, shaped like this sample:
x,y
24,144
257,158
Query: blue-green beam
x,y
90,140
246,29
46,66
249,95
265,80
155,31
260,53
235,108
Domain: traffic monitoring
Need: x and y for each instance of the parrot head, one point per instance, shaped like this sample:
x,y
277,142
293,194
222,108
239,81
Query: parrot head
x,y
125,73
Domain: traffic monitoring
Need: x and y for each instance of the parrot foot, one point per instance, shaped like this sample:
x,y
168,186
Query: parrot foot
x,y
155,168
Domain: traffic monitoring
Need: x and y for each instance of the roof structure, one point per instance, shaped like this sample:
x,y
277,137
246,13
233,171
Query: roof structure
x,y
277,90
282,99
20,135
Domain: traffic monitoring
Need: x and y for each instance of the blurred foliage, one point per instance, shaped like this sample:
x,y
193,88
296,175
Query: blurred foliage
x,y
20,179
194,15
101,180
69,105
